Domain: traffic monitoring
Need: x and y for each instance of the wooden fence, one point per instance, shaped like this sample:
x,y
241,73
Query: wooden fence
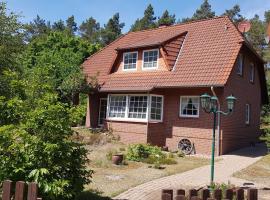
x,y
22,190
205,194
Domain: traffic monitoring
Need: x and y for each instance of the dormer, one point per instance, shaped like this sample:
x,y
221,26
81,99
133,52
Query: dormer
x,y
153,53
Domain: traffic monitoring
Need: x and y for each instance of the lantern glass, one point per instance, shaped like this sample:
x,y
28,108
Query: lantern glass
x,y
205,101
214,104
230,102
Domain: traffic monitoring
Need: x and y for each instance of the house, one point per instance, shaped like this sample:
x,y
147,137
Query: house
x,y
150,82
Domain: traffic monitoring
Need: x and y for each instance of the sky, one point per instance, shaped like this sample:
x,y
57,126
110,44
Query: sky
x,y
129,10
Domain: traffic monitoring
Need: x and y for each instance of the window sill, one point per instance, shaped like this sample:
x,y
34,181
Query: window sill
x,y
132,120
188,116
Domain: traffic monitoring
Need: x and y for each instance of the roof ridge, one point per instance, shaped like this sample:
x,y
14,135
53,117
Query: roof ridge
x,y
179,24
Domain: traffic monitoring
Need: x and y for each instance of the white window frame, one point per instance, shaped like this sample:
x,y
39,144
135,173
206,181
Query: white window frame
x,y
252,72
242,64
150,68
123,68
247,114
150,107
148,111
100,110
180,107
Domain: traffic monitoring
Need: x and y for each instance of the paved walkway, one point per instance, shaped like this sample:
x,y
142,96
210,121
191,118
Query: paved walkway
x,y
199,177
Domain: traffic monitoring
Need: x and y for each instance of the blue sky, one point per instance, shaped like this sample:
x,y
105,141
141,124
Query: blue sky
x,y
129,10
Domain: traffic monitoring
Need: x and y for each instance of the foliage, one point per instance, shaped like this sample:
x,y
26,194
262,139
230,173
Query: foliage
x,y
166,19
222,186
234,14
204,12
138,152
90,30
112,30
58,56
147,22
71,25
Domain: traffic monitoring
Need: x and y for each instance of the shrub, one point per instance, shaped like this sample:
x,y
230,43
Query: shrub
x,y
180,154
139,152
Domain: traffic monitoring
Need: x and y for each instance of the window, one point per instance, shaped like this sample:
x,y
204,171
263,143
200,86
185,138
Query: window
x,y
252,73
189,106
150,59
156,108
247,114
135,107
130,60
117,106
102,111
240,64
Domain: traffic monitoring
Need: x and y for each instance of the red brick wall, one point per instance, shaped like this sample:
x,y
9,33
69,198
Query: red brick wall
x,y
235,132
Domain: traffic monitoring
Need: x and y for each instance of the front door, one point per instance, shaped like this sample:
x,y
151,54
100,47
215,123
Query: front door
x,y
102,111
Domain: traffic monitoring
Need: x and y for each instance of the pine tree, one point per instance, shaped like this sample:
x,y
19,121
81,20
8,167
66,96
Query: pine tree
x,y
148,21
166,19
71,25
256,34
59,25
204,12
112,30
234,14
38,27
267,16
90,30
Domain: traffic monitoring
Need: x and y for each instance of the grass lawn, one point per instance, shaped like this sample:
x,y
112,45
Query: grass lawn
x,y
110,180
258,172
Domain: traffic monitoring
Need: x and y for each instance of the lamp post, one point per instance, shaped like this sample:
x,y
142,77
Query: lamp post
x,y
210,105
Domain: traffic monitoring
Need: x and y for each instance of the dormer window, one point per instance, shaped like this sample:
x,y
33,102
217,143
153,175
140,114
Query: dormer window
x,y
130,60
240,64
150,59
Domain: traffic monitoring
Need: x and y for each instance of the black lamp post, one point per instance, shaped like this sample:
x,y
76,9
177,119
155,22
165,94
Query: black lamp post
x,y
210,105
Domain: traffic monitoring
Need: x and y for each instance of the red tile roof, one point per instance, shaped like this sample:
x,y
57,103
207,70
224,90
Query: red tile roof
x,y
206,58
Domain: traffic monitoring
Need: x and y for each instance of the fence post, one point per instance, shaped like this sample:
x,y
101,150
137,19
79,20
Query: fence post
x,y
192,193
205,194
252,194
6,190
217,194
32,191
240,194
229,194
19,190
180,192
167,191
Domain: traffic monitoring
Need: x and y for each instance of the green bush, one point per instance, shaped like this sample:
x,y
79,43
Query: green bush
x,y
139,152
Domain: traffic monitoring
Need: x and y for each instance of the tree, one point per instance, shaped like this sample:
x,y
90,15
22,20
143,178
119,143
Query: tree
x,y
147,22
204,12
90,30
267,16
112,30
59,55
166,19
234,14
71,25
59,25
36,28
256,34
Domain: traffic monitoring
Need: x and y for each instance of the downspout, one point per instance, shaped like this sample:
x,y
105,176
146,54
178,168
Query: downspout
x,y
218,121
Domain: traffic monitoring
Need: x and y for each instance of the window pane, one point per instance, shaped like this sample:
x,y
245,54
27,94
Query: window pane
x,y
156,108
117,107
102,111
137,107
130,60
189,106
150,59
240,61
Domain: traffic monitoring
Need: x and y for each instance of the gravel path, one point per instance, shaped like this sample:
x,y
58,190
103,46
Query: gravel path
x,y
199,177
